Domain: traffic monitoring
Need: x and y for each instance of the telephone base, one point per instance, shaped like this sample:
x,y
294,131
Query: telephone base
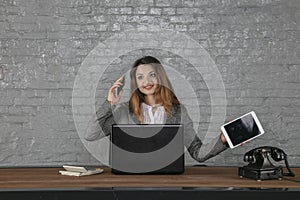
x,y
260,174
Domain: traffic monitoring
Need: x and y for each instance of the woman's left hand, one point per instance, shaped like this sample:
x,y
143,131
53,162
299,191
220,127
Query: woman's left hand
x,y
223,138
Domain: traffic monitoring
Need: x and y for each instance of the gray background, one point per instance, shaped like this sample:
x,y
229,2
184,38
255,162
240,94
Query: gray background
x,y
255,45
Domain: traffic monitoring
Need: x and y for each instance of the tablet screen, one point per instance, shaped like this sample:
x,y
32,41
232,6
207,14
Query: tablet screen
x,y
242,129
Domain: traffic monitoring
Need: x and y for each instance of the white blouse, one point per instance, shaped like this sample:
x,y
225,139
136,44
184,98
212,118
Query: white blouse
x,y
156,117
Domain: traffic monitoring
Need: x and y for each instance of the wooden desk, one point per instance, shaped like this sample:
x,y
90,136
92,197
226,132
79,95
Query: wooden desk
x,y
193,177
211,179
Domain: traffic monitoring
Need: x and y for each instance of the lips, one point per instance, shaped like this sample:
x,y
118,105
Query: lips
x,y
148,87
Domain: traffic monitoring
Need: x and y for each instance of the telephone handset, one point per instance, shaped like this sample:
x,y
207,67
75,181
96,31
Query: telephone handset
x,y
260,166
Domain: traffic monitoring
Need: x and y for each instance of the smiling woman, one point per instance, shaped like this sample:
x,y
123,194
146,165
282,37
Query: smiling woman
x,y
152,101
151,87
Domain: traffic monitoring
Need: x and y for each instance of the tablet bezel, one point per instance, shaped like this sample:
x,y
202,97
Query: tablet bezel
x,y
261,130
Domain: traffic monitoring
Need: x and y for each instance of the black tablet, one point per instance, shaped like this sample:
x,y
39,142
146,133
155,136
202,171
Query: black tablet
x,y
242,129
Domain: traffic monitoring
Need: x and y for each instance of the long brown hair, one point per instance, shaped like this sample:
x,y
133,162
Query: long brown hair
x,y
164,94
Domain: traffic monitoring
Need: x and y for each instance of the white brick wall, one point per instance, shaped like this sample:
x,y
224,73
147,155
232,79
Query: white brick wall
x,y
255,45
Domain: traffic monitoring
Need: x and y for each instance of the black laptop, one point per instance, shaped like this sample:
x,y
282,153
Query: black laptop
x,y
147,149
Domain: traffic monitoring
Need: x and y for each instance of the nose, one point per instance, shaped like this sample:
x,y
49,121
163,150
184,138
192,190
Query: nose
x,y
148,80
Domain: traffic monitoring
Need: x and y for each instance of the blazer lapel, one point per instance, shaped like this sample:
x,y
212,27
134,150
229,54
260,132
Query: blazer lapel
x,y
171,120
134,119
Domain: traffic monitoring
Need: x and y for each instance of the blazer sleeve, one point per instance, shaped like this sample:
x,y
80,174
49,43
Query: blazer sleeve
x,y
100,124
199,151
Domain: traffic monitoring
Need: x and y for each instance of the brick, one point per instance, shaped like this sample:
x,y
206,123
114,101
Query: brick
x,y
126,11
101,27
141,2
19,110
140,10
168,11
100,18
6,101
3,109
3,27
24,27
85,9
189,11
155,11
16,119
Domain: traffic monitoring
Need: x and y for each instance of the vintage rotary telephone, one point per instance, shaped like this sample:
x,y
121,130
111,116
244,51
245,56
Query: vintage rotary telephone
x,y
260,166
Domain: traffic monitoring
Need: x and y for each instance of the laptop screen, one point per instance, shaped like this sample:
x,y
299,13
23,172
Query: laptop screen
x,y
155,148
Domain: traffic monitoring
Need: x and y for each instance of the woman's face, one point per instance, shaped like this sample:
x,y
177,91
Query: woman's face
x,y
146,78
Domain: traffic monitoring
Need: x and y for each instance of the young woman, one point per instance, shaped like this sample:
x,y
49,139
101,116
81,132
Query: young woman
x,y
152,101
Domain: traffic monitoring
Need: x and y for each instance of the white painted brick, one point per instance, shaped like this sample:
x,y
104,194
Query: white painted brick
x,y
255,45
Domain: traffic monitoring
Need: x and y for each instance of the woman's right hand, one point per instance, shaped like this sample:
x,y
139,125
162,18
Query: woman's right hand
x,y
111,94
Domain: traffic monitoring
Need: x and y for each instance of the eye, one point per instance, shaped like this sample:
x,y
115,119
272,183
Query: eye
x,y
139,77
153,74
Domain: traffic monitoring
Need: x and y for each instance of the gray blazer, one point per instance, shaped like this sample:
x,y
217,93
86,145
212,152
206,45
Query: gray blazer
x,y
101,125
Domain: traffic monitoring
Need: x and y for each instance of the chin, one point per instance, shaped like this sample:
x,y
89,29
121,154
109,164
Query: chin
x,y
148,92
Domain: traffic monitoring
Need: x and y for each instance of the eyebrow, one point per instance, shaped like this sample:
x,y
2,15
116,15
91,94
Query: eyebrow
x,y
143,74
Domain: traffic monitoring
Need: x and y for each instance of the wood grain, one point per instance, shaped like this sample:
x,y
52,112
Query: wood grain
x,y
22,178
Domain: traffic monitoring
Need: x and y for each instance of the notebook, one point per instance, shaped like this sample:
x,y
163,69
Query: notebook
x,y
147,149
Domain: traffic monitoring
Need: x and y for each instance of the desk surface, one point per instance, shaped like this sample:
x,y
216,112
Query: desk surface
x,y
208,177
